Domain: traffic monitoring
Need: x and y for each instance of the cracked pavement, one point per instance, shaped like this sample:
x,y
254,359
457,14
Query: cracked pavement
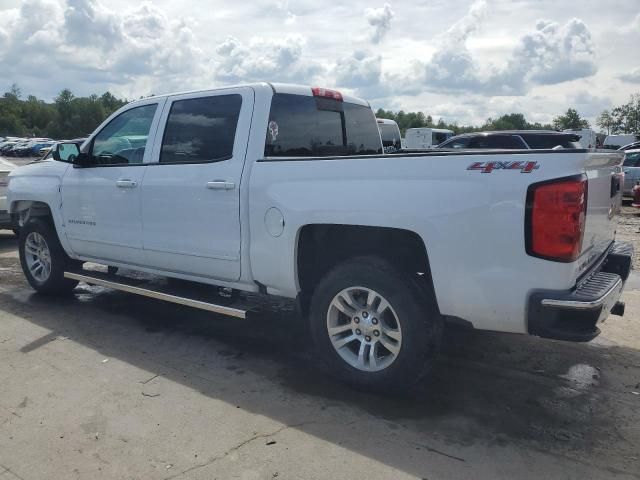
x,y
108,385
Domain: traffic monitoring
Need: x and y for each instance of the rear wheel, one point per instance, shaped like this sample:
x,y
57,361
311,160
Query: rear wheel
x,y
374,326
43,259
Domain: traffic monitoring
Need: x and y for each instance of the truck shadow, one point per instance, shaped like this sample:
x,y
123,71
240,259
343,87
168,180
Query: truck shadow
x,y
488,389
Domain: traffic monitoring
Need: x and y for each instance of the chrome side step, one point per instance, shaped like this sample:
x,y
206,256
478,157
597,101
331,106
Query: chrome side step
x,y
98,278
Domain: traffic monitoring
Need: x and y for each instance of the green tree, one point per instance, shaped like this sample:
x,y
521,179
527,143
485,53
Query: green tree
x,y
571,120
606,121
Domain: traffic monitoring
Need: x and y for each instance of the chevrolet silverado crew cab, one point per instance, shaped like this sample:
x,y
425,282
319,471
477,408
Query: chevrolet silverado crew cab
x,y
285,190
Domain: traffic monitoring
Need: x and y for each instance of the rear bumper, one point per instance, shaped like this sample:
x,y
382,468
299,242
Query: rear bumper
x,y
573,315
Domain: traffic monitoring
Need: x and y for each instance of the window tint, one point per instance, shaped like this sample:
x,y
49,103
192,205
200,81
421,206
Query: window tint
x,y
123,140
632,160
310,126
496,141
549,141
461,142
201,129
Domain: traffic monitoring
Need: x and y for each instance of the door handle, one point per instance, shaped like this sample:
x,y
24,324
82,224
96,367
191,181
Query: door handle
x,y
126,183
221,185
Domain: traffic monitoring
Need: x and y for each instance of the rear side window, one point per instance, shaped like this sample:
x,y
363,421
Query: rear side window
x,y
305,126
496,141
542,141
201,129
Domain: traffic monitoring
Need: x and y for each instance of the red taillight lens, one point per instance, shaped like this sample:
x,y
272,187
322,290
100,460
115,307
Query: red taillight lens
x,y
326,93
556,219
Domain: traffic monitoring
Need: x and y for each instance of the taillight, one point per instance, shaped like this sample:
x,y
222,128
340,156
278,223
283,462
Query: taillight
x,y
555,219
326,93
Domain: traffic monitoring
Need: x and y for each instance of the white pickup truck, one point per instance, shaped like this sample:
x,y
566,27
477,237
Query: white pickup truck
x,y
284,190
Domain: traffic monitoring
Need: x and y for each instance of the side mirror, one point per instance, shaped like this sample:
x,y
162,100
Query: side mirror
x,y
66,152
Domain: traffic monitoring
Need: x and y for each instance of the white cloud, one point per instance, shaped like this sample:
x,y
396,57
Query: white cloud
x,y
632,76
83,41
380,19
463,60
265,60
548,55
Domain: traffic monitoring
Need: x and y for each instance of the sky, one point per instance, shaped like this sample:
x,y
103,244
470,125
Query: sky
x,y
462,61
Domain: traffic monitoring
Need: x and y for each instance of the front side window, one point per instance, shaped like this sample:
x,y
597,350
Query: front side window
x,y
306,126
123,140
201,130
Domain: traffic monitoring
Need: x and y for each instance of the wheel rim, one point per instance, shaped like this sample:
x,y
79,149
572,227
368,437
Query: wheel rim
x,y
38,257
364,329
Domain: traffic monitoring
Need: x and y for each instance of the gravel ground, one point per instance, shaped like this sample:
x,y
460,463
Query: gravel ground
x,y
108,385
629,229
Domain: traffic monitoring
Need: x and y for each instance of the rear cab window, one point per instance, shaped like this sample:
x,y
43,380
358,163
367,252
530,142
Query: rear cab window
x,y
308,126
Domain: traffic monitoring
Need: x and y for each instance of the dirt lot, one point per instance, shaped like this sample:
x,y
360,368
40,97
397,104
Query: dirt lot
x,y
108,385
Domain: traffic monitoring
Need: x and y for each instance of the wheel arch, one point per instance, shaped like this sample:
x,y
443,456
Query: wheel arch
x,y
321,246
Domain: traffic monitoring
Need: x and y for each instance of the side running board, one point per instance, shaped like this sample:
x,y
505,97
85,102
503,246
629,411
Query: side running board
x,y
129,285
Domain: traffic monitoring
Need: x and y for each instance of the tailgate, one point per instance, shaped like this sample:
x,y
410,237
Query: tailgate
x,y
604,198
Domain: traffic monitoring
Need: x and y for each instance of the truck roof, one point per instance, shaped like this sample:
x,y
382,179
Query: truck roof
x,y
276,87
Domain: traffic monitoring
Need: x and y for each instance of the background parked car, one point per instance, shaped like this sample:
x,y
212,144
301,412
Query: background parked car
x,y
514,140
614,142
631,146
390,135
631,167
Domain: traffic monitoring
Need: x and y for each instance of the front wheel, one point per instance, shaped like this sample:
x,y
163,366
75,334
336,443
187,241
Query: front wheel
x,y
374,326
43,259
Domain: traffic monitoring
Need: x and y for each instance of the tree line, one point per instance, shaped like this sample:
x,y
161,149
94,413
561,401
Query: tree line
x,y
70,117
67,117
622,119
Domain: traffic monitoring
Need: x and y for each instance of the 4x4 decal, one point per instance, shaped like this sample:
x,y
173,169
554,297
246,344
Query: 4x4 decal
x,y
488,167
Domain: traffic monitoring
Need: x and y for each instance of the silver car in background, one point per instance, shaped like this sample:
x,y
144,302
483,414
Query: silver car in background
x,y
631,167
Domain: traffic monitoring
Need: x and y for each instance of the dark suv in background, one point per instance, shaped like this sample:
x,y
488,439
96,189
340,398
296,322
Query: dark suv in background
x,y
513,139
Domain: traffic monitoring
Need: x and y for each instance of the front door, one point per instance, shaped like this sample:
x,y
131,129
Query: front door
x,y
191,190
101,201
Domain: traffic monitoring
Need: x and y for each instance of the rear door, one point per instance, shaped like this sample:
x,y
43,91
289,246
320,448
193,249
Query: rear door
x,y
191,190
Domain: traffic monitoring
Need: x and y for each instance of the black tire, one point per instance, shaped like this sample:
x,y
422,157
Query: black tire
x,y
55,284
417,314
